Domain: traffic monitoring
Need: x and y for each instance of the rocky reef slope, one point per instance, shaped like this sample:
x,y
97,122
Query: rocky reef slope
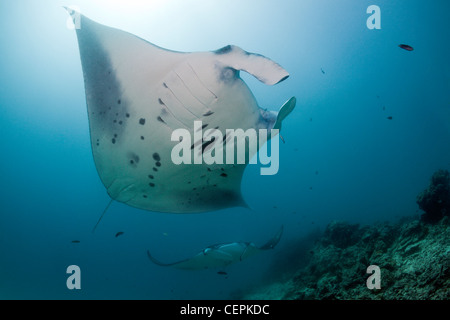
x,y
413,257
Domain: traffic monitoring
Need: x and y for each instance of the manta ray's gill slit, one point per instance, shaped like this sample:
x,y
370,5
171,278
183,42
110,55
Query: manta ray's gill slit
x,y
207,143
179,101
171,113
215,96
196,144
190,91
160,120
202,127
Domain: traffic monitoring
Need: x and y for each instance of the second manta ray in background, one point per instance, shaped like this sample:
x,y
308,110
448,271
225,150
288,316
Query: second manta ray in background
x,y
138,94
221,255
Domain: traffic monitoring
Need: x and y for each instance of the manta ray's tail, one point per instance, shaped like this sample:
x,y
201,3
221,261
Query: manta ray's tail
x,y
103,213
159,263
274,241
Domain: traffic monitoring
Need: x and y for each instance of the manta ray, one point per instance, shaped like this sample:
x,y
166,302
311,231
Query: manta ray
x,y
221,255
137,94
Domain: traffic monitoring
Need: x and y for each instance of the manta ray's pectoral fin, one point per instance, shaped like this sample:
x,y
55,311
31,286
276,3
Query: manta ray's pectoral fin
x,y
261,67
274,241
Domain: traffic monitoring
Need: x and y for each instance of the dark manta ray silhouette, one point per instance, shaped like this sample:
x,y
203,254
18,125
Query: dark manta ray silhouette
x,y
137,94
221,255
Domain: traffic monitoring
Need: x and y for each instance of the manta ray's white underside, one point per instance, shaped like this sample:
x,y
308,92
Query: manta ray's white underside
x,y
138,93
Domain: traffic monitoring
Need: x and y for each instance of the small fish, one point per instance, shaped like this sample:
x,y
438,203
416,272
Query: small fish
x,y
389,118
222,273
321,69
406,47
75,241
119,233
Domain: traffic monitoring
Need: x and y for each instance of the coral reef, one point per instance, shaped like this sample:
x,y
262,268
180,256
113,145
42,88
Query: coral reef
x,y
435,200
413,256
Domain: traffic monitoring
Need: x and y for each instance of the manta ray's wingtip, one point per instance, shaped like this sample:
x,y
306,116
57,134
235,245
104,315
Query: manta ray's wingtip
x,y
274,241
154,260
71,11
282,79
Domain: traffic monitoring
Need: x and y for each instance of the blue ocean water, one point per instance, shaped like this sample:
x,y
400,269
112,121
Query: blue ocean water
x,y
343,159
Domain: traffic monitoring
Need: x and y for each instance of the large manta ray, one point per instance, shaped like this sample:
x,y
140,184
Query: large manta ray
x,y
138,93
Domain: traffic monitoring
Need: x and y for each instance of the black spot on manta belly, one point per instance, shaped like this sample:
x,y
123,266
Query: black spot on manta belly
x,y
142,121
224,175
133,159
156,157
